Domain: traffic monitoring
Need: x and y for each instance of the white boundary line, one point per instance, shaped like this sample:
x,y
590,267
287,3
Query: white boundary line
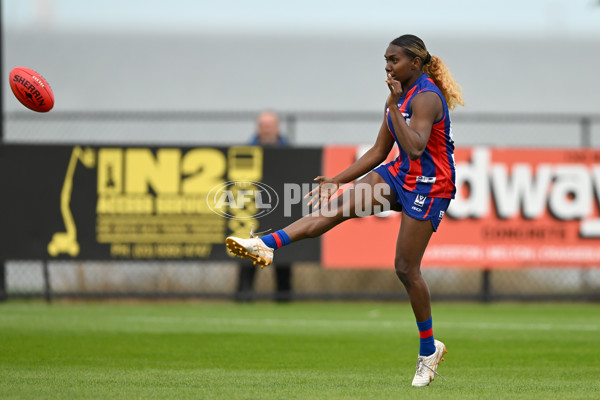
x,y
274,322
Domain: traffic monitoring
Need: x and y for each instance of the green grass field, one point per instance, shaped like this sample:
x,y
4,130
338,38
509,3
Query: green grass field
x,y
214,350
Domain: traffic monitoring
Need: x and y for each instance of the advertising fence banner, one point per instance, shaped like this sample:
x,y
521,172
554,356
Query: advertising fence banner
x,y
515,208
140,203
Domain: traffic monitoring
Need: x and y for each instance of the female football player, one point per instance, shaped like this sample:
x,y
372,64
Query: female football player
x,y
420,182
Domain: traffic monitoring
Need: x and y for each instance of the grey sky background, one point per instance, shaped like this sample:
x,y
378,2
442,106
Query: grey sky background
x,y
499,18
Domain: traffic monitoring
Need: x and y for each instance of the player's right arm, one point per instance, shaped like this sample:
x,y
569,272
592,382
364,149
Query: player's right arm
x,y
371,159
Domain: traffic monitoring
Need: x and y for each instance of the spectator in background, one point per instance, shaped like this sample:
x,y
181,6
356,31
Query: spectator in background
x,y
267,131
267,135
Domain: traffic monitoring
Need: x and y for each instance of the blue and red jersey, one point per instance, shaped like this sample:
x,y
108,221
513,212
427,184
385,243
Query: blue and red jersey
x,y
433,174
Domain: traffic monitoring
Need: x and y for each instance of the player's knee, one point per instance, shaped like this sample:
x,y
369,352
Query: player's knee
x,y
404,270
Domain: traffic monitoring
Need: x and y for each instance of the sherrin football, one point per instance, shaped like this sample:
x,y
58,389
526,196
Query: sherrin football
x,y
31,89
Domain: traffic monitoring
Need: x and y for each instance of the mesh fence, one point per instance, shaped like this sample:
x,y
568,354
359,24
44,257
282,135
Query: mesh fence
x,y
232,280
308,281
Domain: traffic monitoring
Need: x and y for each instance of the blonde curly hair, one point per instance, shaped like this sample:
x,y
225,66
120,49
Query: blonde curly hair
x,y
434,67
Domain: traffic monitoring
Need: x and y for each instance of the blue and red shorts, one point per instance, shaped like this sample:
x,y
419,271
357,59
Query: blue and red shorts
x,y
415,205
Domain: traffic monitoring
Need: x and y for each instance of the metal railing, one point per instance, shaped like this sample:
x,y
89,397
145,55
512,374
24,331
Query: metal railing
x,y
291,119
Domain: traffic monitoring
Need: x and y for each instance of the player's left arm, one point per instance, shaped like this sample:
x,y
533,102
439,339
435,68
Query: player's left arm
x,y
426,109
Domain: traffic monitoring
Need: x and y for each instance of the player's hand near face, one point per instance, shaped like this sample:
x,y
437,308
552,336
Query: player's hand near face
x,y
395,91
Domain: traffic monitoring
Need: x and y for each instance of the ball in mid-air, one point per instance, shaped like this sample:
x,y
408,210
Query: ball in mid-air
x,y
31,89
